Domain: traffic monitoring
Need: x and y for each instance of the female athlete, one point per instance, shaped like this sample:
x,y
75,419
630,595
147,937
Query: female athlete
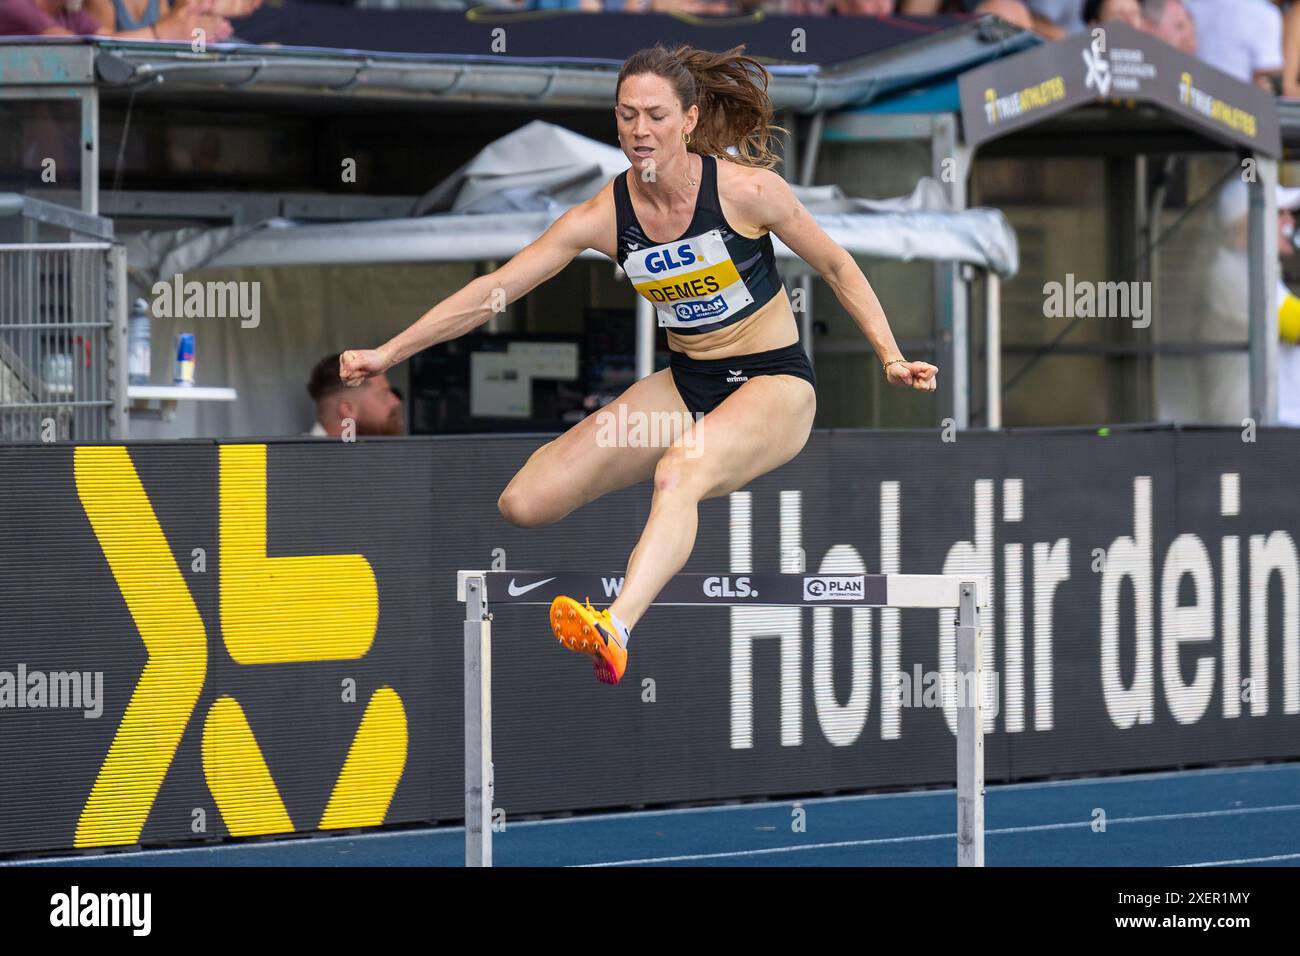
x,y
691,225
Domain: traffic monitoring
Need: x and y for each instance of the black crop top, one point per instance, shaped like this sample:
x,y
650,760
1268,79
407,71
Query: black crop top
x,y
711,277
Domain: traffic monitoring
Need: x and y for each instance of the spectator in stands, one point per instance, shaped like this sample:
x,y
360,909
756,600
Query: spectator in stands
x,y
1054,19
1012,11
1226,385
1169,20
863,8
48,18
98,18
1099,12
165,20
1242,38
704,8
1291,52
373,407
594,6
799,8
846,8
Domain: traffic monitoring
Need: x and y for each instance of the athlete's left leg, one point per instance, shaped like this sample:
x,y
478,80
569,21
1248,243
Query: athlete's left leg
x,y
758,427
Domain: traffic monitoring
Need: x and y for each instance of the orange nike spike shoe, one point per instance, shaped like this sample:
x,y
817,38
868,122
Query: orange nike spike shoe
x,y
582,628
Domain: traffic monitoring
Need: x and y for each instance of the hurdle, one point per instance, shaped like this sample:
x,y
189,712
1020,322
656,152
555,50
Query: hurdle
x,y
480,590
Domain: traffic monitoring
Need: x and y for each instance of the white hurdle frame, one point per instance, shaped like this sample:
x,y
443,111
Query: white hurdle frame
x,y
967,593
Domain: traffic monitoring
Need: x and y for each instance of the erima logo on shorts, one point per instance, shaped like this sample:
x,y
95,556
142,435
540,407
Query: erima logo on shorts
x,y
737,375
834,589
703,309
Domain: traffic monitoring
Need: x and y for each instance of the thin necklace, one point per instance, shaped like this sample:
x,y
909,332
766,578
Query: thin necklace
x,y
690,180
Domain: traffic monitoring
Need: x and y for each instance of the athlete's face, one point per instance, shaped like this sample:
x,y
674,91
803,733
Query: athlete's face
x,y
651,122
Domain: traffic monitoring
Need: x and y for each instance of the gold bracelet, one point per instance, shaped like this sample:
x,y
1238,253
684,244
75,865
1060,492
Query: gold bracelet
x,y
886,365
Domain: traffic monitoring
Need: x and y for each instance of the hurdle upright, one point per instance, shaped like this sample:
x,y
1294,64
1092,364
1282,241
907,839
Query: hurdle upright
x,y
479,590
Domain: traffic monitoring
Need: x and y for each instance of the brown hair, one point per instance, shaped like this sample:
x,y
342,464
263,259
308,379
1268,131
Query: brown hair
x,y
325,379
731,91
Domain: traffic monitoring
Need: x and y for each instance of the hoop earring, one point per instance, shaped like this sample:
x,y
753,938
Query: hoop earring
x,y
686,138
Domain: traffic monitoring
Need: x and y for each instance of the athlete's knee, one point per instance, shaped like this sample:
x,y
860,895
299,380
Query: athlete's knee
x,y
678,472
522,510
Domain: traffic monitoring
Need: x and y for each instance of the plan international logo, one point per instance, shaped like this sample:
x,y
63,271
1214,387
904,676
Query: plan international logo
x,y
707,309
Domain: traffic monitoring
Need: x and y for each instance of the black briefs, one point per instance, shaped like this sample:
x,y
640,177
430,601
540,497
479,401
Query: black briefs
x,y
704,383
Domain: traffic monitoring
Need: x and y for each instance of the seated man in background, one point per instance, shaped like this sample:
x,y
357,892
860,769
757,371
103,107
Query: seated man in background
x,y
373,407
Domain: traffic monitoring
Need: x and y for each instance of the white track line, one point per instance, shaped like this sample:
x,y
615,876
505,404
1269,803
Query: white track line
x,y
1249,859
946,836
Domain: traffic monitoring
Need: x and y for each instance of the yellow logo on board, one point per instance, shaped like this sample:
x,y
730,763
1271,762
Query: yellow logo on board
x,y
273,611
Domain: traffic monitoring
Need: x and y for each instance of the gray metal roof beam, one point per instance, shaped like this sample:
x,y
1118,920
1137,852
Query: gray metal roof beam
x,y
850,83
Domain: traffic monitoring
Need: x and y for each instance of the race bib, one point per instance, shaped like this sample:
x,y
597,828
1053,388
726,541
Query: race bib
x,y
691,282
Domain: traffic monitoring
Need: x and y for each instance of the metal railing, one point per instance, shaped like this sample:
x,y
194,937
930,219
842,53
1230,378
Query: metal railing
x,y
62,341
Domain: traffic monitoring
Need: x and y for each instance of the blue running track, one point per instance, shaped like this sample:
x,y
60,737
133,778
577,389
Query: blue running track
x,y
1223,817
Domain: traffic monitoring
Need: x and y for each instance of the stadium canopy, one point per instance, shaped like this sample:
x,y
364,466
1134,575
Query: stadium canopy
x,y
507,195
1120,91
561,57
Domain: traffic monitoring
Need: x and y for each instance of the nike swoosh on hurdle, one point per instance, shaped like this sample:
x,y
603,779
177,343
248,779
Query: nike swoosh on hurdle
x,y
516,591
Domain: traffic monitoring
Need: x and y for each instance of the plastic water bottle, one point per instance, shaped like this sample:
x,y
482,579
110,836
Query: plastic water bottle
x,y
138,335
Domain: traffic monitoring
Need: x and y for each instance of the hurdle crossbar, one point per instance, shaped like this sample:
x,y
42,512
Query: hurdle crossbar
x,y
479,590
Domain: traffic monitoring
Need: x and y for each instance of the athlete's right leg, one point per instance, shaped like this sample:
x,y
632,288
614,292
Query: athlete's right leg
x,y
583,464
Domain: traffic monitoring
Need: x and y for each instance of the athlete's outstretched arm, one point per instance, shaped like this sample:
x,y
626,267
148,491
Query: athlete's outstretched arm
x,y
474,304
770,202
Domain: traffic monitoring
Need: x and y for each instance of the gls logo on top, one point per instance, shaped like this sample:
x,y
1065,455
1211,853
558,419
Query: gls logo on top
x,y
850,588
663,261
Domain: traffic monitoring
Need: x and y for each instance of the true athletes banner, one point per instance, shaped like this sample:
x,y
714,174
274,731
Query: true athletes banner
x,y
203,641
1115,64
